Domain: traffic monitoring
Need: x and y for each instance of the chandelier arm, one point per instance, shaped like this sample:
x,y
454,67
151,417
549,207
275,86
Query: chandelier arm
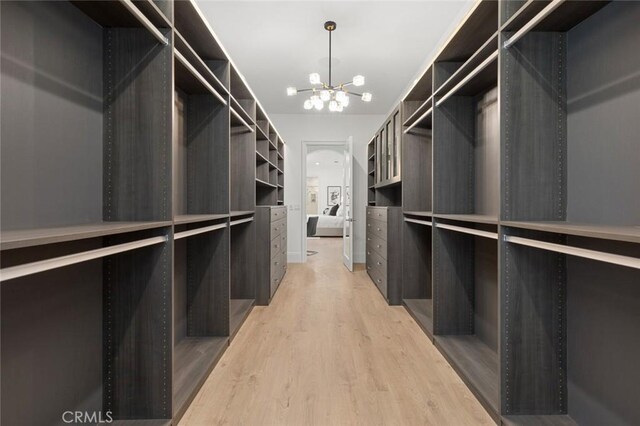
x,y
305,90
356,94
330,58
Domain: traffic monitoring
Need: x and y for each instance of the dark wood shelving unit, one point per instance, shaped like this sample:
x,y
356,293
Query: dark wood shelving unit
x,y
127,231
521,227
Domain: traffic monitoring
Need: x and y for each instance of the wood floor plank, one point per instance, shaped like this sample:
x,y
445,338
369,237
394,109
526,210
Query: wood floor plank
x,y
328,350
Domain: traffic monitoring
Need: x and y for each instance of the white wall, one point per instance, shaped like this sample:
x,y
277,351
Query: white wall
x,y
322,127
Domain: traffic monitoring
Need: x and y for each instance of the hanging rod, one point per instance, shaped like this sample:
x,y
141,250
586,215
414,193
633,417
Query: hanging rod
x,y
417,110
616,259
242,121
239,221
479,233
422,117
144,21
469,76
198,76
13,272
533,22
191,232
419,222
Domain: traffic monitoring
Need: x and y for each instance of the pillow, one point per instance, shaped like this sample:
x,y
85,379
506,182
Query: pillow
x,y
334,210
340,211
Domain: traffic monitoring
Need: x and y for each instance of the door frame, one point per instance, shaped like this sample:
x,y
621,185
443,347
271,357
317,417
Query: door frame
x,y
303,188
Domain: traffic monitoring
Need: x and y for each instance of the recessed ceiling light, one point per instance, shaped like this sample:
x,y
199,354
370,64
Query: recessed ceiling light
x,y
317,164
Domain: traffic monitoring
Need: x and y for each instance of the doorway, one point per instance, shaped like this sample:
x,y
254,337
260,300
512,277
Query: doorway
x,y
326,197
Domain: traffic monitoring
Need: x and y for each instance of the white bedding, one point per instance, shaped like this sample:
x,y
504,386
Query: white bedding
x,y
328,226
330,221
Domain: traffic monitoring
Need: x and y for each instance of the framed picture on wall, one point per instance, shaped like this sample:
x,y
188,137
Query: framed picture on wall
x,y
333,195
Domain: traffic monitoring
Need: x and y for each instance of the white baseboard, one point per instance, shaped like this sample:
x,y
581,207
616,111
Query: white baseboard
x,y
294,257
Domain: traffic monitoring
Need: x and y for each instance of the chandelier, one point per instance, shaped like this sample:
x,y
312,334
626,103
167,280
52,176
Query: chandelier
x,y
337,96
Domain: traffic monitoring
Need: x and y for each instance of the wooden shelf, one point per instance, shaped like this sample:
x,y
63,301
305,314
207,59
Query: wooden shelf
x,y
194,358
241,111
567,15
474,218
41,236
196,30
236,213
261,158
416,213
237,120
239,309
479,79
260,134
540,420
388,184
477,365
618,233
424,107
484,52
263,183
480,23
194,218
153,13
422,311
192,56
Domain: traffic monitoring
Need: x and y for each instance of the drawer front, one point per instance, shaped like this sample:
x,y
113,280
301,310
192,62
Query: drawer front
x,y
377,213
276,246
283,240
276,265
377,262
377,228
377,244
275,281
277,227
379,280
278,213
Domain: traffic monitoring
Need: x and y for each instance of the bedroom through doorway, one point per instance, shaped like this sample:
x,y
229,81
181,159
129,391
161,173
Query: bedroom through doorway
x,y
325,195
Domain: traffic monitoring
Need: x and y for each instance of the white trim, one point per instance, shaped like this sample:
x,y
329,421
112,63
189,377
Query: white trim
x,y
19,271
191,232
616,259
303,189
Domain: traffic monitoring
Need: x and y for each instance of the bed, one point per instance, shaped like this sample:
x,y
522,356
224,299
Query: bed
x,y
328,226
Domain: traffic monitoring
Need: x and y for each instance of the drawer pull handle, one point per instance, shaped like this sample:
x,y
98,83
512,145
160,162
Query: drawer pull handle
x,y
379,280
379,229
379,246
276,263
379,263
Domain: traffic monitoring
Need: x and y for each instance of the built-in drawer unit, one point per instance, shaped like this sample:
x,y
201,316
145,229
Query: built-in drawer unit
x,y
271,251
384,251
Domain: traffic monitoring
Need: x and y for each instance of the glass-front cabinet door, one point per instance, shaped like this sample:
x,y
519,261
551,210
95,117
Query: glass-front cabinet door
x,y
389,147
383,158
397,137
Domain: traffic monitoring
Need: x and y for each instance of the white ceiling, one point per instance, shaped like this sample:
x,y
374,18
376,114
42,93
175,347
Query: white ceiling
x,y
276,44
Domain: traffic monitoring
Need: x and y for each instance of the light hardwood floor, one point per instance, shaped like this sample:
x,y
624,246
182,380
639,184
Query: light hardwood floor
x,y
330,351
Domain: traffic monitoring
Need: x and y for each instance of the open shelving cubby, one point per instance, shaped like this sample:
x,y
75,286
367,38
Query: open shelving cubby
x,y
465,305
245,185
417,151
193,36
200,306
371,172
86,212
571,214
201,234
466,148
